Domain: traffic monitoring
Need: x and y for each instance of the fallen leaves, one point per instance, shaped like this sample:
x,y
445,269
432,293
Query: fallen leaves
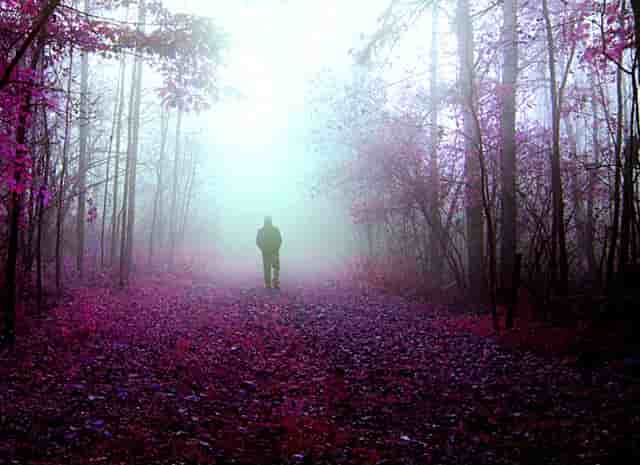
x,y
167,373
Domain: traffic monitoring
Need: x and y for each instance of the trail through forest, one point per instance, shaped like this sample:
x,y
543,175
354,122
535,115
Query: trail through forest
x,y
181,371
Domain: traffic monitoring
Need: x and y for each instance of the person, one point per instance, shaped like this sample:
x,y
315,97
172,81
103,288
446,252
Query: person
x,y
269,241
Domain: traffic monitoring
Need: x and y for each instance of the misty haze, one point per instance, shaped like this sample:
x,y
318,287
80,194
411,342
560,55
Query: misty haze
x,y
277,232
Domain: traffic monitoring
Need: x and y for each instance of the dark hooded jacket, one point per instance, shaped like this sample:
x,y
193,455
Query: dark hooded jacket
x,y
269,239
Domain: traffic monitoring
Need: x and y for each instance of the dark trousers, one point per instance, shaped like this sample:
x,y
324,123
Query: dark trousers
x,y
269,261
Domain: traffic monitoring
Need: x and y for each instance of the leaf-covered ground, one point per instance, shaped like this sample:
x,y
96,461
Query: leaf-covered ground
x,y
182,372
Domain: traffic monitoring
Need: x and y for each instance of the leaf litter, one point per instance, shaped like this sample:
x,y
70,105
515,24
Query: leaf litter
x,y
165,373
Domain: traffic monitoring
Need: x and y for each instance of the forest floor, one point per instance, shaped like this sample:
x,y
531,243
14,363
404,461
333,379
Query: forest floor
x,y
182,371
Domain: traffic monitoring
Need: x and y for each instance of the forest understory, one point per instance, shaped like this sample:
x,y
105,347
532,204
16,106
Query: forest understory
x,y
184,370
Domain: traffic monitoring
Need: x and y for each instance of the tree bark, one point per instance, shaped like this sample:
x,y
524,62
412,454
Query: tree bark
x,y
174,197
114,124
10,291
615,220
126,246
164,126
473,182
41,206
559,260
508,244
435,243
116,175
133,149
82,157
63,174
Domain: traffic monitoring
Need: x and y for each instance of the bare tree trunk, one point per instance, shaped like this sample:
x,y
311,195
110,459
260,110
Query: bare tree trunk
x,y
473,188
191,176
508,243
559,260
435,245
164,127
116,110
47,164
173,225
591,184
126,247
63,175
32,213
116,175
133,148
82,158
615,221
627,204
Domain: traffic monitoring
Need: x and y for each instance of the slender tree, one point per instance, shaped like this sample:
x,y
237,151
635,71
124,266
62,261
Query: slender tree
x,y
435,245
116,172
559,260
508,142
173,222
473,188
82,157
164,127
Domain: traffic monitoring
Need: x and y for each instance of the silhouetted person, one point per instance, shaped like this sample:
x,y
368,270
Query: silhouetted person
x,y
269,241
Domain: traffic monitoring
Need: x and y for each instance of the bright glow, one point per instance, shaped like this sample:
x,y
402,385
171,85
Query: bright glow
x,y
260,151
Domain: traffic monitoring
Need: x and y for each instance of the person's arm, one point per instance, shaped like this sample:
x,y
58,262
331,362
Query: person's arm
x,y
259,239
278,239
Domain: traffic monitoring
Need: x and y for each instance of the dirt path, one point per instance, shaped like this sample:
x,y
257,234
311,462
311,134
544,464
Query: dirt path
x,y
177,372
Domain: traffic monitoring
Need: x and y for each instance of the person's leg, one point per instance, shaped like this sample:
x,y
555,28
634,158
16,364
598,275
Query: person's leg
x,y
266,265
276,270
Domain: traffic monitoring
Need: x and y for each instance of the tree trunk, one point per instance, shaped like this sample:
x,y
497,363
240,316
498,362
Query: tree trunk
x,y
164,126
116,174
126,246
82,157
174,197
133,149
10,291
627,203
508,244
615,221
473,182
63,175
435,243
116,110
559,260
47,163
592,267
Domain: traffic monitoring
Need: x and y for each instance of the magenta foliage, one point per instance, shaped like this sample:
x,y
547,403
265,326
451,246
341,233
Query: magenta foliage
x,y
183,48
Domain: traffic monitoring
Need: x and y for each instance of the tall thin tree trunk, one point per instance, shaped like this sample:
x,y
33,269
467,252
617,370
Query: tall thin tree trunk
x,y
132,156
47,165
164,127
191,176
627,203
116,110
591,184
82,158
473,187
173,225
508,243
116,174
615,221
63,175
435,244
559,260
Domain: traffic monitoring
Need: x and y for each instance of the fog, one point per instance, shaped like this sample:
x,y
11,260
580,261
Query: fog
x,y
259,156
